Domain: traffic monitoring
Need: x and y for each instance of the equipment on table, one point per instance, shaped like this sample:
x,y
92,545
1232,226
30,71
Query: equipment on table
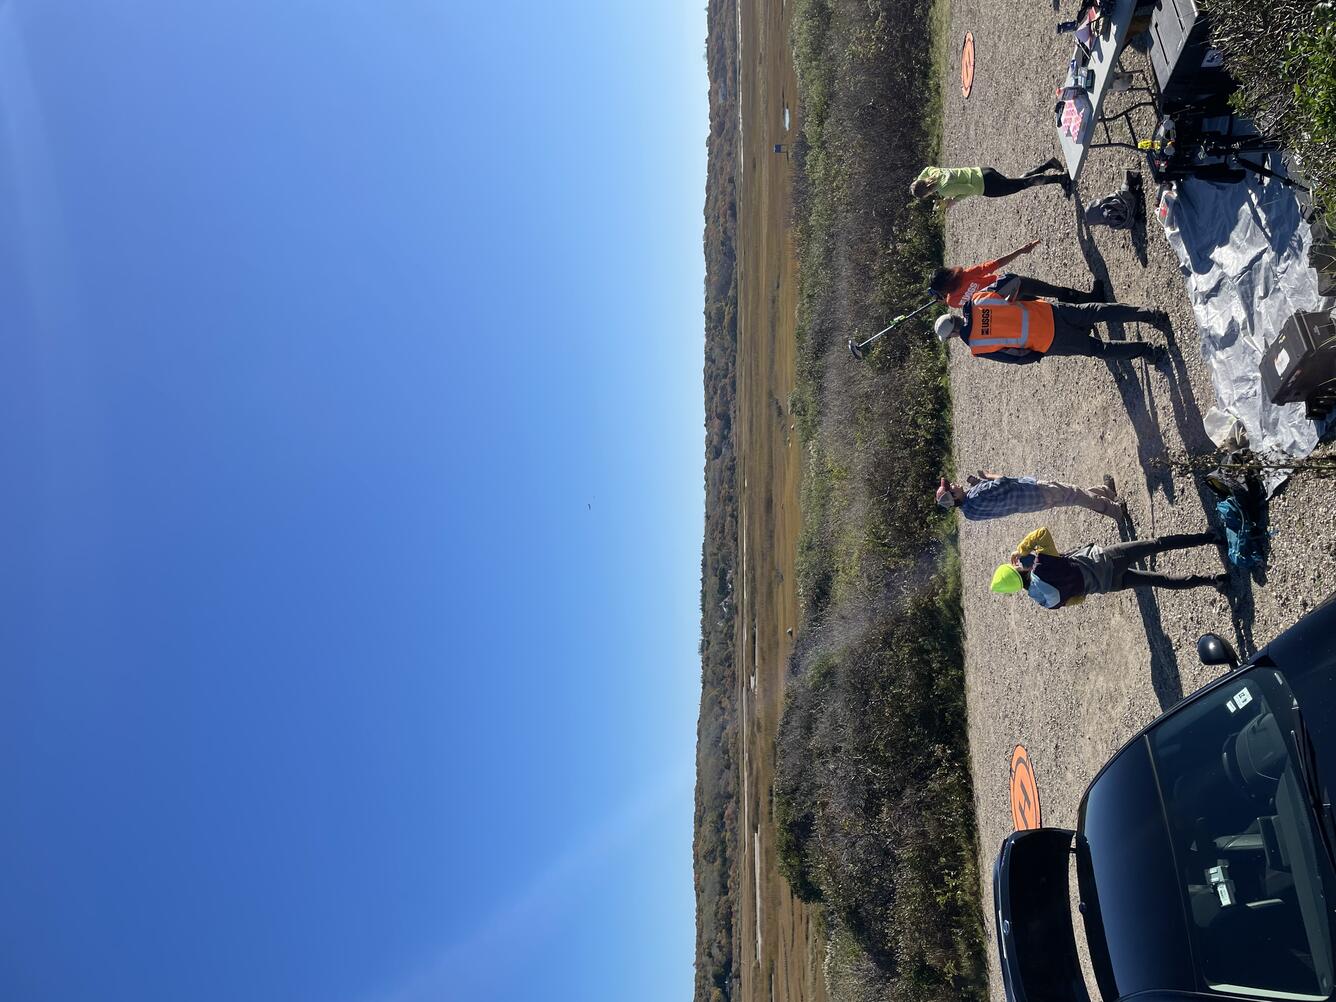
x,y
1188,70
1300,364
1102,32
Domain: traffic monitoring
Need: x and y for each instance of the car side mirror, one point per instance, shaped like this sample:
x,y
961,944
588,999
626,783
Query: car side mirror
x,y
1214,649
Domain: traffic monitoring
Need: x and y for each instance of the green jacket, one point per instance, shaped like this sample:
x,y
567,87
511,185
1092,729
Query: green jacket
x,y
954,182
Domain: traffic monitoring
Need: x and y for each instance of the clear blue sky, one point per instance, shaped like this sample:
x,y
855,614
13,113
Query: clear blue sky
x,y
351,498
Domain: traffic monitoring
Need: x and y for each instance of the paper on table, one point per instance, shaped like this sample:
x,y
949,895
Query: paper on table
x,y
1086,32
1073,119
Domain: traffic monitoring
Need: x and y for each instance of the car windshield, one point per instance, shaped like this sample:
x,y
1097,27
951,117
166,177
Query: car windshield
x,y
1250,862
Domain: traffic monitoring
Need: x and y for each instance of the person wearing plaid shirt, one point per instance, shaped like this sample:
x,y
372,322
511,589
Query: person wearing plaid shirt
x,y
990,495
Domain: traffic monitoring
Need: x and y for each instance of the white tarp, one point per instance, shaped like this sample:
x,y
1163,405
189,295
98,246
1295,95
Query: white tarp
x,y
1243,248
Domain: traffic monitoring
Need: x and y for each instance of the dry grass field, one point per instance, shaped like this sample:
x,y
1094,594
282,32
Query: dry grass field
x,y
777,946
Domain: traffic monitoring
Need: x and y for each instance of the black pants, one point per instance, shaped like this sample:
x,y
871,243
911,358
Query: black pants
x,y
1033,288
997,185
1073,323
1124,555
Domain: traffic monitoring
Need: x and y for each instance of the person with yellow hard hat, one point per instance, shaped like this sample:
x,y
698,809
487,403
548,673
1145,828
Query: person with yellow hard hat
x,y
1021,331
1055,579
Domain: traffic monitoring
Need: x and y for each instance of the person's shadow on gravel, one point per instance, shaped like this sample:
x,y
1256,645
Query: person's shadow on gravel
x,y
1164,675
1192,433
1140,246
1138,401
1094,260
1137,394
1241,605
1134,391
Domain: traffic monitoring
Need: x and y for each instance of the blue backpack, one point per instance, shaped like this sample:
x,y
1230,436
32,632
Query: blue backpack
x,y
1239,511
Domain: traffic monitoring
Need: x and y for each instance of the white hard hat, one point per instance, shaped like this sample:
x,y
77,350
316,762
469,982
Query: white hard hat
x,y
946,325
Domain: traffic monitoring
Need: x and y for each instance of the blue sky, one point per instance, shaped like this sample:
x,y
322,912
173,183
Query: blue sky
x,y
350,498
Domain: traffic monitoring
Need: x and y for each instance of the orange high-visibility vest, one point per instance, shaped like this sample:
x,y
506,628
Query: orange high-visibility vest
x,y
999,323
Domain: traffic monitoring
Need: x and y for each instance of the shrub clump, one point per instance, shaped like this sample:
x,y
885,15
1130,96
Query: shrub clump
x,y
1283,55
874,803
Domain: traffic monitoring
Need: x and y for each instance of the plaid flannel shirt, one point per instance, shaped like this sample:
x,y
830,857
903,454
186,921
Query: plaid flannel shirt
x,y
1003,496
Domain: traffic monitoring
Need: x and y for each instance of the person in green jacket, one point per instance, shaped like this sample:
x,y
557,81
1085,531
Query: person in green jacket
x,y
951,184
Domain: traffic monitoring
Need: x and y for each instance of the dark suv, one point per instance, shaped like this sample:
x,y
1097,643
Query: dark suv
x,y
1205,851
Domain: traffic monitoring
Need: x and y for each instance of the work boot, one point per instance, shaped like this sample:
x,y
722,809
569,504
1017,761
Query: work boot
x,y
1157,319
1220,582
1098,293
1110,486
1053,163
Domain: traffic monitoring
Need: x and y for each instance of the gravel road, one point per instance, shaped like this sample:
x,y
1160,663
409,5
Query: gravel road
x,y
1073,684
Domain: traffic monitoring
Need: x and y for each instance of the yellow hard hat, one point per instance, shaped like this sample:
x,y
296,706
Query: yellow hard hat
x,y
1006,579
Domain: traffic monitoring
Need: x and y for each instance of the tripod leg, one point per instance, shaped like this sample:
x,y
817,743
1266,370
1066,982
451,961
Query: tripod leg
x,y
1256,168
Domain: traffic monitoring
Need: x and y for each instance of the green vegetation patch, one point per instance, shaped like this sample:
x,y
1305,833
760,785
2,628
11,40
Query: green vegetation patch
x,y
874,800
1283,55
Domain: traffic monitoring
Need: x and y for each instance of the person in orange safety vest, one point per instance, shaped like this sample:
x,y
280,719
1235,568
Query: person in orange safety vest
x,y
1025,330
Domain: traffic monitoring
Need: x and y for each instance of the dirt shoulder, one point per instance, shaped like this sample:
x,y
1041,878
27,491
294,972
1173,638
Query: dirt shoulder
x,y
1073,684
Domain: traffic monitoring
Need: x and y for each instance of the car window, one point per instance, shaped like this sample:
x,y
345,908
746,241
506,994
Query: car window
x,y
1250,861
1128,880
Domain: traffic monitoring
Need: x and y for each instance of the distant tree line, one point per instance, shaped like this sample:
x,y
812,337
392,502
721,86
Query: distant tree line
x,y
717,771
